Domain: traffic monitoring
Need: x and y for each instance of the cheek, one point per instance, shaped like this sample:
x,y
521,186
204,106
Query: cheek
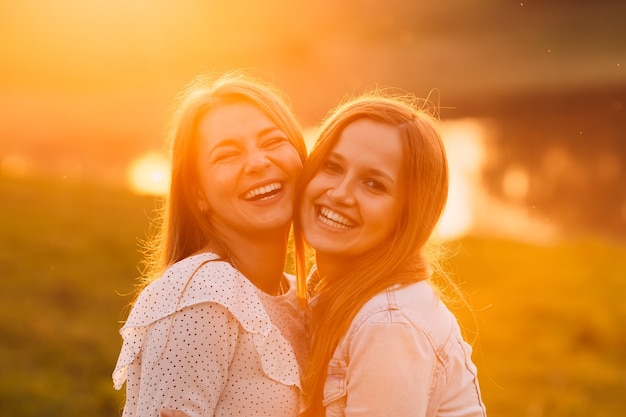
x,y
211,178
307,203
388,216
290,159
296,169
216,182
313,189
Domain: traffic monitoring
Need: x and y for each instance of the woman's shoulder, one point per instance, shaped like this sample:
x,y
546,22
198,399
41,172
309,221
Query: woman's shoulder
x,y
187,266
417,296
201,278
415,304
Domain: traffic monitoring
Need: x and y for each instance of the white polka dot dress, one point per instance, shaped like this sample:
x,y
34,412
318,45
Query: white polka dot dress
x,y
203,339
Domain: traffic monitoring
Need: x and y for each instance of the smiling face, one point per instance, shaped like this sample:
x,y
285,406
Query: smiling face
x,y
352,203
247,169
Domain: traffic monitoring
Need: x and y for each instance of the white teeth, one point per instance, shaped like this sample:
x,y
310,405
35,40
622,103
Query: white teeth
x,y
334,219
263,190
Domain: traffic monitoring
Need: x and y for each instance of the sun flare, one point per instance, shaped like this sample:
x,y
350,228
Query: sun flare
x,y
149,174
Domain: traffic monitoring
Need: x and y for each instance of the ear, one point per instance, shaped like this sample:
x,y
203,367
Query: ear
x,y
201,200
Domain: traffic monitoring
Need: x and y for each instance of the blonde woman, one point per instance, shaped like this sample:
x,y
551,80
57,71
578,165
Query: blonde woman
x,y
217,330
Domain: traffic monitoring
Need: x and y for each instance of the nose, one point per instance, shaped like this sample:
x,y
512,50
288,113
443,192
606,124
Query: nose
x,y
257,160
341,192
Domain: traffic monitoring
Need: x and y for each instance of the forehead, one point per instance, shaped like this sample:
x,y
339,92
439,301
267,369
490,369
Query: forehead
x,y
371,143
233,121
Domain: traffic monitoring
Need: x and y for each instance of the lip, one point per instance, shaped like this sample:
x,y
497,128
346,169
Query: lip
x,y
332,219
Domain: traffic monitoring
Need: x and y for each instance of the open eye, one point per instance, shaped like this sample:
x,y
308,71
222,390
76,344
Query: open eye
x,y
332,167
375,185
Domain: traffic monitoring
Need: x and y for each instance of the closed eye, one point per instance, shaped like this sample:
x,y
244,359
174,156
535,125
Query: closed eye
x,y
225,155
274,142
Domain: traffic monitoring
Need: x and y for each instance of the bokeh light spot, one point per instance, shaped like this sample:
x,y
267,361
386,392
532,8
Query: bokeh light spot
x,y
149,174
515,183
15,166
464,147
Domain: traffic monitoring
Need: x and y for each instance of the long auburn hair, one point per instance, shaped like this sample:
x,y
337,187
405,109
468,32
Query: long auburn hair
x,y
181,228
340,293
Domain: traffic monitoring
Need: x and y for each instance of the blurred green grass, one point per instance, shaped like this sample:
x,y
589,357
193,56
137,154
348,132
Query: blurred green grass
x,y
550,320
551,325
68,255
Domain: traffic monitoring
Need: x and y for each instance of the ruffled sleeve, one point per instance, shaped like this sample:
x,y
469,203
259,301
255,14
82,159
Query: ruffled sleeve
x,y
196,280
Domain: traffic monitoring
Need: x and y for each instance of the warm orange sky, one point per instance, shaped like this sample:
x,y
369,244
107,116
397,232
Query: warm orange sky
x,y
89,83
118,45
104,46
86,86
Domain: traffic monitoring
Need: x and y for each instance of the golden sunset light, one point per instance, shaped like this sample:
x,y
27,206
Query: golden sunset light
x,y
464,140
531,102
471,208
515,183
149,174
15,166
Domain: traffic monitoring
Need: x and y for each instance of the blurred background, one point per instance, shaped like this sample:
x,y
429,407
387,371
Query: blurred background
x,y
532,97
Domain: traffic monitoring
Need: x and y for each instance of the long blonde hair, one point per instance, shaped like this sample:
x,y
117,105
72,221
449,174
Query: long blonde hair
x,y
181,228
341,293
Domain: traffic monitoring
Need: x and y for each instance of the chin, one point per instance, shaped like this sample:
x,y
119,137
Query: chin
x,y
278,221
324,244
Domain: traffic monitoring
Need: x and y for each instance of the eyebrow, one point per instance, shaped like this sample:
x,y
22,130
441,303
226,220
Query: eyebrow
x,y
270,129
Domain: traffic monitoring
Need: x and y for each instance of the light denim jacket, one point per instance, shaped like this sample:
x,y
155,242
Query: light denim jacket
x,y
403,355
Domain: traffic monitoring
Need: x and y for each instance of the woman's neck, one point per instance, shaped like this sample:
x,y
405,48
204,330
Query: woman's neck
x,y
261,260
325,264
